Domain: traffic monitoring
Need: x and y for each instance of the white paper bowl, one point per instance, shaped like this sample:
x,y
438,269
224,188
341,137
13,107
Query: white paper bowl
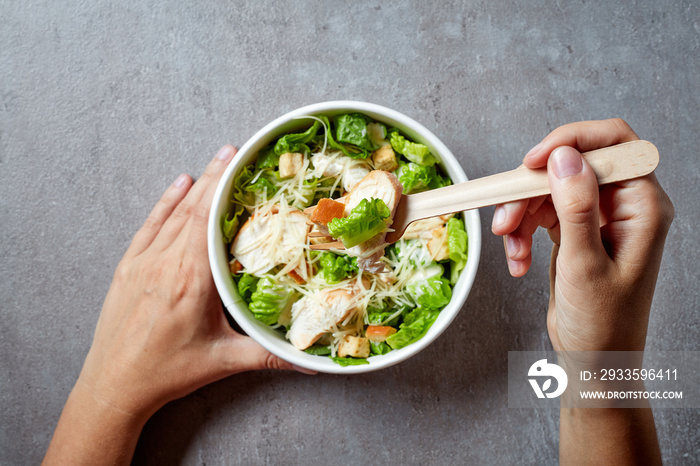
x,y
272,340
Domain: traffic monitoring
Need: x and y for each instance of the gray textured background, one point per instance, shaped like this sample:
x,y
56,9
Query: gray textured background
x,y
102,105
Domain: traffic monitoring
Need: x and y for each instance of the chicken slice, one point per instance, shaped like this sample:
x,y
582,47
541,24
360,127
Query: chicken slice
x,y
350,170
319,313
379,185
276,237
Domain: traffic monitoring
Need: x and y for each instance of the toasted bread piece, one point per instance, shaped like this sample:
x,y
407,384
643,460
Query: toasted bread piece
x,y
327,210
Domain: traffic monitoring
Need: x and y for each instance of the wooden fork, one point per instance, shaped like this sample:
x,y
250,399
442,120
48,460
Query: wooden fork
x,y
611,164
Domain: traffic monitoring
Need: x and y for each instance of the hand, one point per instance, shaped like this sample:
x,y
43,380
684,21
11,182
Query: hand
x,y
607,243
162,332
605,260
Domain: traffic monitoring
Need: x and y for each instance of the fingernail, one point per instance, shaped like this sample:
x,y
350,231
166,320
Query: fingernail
x,y
499,216
566,161
224,153
512,245
180,181
304,370
534,150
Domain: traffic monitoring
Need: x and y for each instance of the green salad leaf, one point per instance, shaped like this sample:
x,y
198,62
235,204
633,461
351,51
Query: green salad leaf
x,y
246,286
267,158
229,226
413,250
352,129
349,361
413,151
269,300
414,326
379,347
350,150
364,222
415,177
337,267
318,350
429,289
457,247
296,142
264,186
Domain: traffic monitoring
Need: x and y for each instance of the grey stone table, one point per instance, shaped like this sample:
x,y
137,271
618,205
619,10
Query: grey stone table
x,y
103,104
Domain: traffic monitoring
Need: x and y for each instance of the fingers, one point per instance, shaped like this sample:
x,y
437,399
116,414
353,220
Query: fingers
x,y
639,215
193,204
171,198
518,243
197,235
583,136
575,197
241,353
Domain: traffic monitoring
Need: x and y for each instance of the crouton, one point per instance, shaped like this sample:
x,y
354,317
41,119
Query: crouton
x,y
235,267
357,347
327,210
438,245
379,333
385,159
290,164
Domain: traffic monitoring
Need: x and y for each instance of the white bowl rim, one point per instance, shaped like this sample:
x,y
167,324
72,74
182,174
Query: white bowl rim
x,y
218,256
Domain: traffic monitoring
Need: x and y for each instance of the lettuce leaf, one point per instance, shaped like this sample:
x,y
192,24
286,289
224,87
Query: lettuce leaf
x,y
349,361
264,187
413,250
296,142
307,192
350,150
246,286
415,178
239,182
269,300
429,289
318,350
457,247
229,226
364,222
413,328
352,129
413,151
267,159
336,267
378,347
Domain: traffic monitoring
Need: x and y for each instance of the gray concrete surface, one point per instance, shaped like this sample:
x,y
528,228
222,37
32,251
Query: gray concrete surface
x,y
103,104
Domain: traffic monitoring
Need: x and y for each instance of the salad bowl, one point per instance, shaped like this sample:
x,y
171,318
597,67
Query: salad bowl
x,y
273,340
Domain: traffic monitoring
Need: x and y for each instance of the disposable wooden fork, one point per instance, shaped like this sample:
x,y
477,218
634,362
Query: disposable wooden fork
x,y
611,164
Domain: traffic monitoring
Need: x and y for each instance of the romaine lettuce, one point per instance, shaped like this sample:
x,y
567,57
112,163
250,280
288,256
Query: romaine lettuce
x,y
296,142
414,326
352,129
267,159
379,347
413,250
269,300
457,247
318,350
246,286
429,289
336,267
350,150
417,153
364,222
349,361
415,178
229,226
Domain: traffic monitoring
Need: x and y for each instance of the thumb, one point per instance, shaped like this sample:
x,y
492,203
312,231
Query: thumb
x,y
240,353
575,197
